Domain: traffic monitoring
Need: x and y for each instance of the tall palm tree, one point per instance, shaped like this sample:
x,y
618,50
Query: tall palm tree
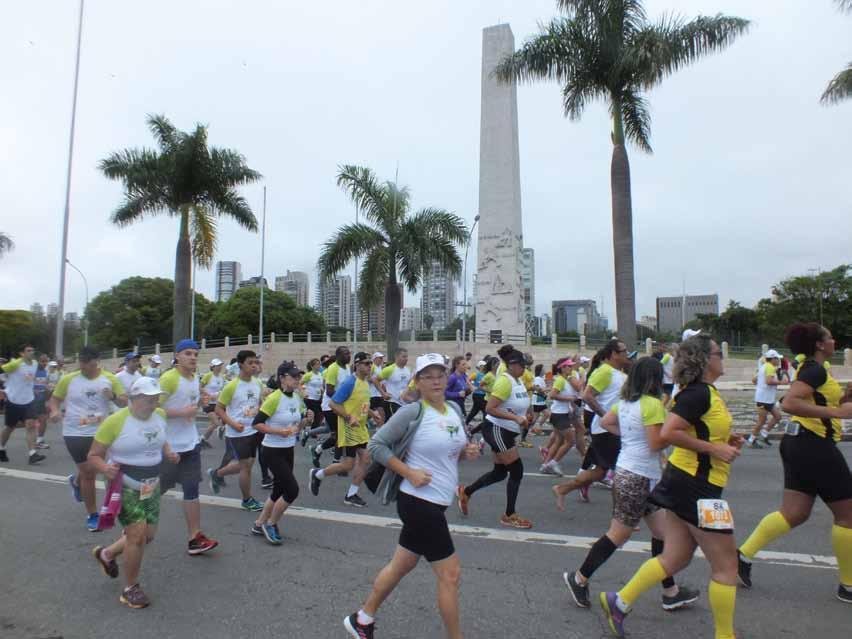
x,y
840,87
6,243
397,247
609,50
191,182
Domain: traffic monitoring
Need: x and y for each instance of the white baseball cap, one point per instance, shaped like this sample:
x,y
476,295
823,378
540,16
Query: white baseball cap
x,y
772,354
690,333
584,359
52,363
378,354
482,363
429,359
145,386
156,359
216,362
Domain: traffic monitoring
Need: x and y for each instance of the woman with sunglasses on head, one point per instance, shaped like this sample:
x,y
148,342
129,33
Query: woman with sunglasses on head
x,y
813,464
429,436
699,428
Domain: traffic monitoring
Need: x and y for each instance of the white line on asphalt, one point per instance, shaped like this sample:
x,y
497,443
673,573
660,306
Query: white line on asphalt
x,y
800,560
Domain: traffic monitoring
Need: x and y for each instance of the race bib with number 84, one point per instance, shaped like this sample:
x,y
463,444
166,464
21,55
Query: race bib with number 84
x,y
715,514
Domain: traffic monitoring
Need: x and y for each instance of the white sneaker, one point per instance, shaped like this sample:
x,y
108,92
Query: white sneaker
x,y
544,469
556,468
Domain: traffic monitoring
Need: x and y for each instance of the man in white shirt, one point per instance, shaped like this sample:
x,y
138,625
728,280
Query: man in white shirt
x,y
130,373
20,402
154,371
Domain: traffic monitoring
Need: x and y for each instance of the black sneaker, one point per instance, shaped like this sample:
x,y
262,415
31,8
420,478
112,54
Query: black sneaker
x,y
684,597
357,630
257,530
316,452
844,594
579,593
355,500
36,458
766,442
266,483
3,456
314,482
743,570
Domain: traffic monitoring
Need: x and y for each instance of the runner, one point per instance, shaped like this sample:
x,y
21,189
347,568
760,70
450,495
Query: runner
x,y
602,391
507,413
563,416
280,419
429,436
396,378
528,380
458,386
41,394
134,440
85,397
764,397
666,358
813,465
378,394
351,405
153,370
699,428
334,376
312,391
180,402
540,392
211,385
20,402
237,406
130,373
638,419
478,394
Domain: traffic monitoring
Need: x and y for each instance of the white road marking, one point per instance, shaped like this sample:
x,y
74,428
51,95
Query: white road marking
x,y
800,560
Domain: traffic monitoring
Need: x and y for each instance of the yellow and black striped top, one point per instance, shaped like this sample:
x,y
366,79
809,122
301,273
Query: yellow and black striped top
x,y
826,392
701,405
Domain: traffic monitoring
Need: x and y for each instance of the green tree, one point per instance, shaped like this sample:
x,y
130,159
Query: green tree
x,y
397,246
6,243
240,315
608,50
191,182
22,327
840,87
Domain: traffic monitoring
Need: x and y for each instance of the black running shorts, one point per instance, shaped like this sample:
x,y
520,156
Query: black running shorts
x,y
815,466
424,528
78,447
499,439
679,492
242,447
603,452
17,415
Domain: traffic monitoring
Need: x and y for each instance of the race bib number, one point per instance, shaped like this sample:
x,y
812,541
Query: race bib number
x,y
90,420
792,428
249,411
147,487
715,514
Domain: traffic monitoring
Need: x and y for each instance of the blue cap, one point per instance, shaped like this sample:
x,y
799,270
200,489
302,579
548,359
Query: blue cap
x,y
185,344
131,355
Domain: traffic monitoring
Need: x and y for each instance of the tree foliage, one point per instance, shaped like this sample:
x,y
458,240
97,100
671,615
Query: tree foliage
x,y
240,315
22,327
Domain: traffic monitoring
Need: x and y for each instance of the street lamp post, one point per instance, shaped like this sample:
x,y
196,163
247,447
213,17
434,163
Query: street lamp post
x,y
262,270
86,310
464,304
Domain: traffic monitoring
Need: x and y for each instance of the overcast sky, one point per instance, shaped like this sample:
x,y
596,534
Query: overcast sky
x,y
748,183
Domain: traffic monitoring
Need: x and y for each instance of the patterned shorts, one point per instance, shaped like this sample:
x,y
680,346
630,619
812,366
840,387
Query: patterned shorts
x,y
137,511
630,497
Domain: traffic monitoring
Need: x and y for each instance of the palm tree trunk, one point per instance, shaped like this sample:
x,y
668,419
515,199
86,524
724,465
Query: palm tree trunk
x,y
393,307
622,234
183,269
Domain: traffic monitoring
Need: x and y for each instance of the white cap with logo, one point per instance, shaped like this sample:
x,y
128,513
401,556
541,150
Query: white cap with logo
x,y
216,362
772,354
429,359
378,354
145,386
156,359
690,333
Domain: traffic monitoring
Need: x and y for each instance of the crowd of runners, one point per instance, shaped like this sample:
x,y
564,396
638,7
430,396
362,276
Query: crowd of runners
x,y
654,429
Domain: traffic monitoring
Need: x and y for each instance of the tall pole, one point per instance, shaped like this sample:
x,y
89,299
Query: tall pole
x,y
60,315
464,303
262,268
86,311
355,305
192,313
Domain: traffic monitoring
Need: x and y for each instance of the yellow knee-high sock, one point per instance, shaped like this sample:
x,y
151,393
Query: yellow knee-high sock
x,y
841,539
723,600
768,530
649,575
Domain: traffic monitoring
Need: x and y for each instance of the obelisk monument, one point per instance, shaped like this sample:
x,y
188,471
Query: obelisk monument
x,y
499,296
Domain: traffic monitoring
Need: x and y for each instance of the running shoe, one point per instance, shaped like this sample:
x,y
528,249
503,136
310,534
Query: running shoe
x,y
270,531
583,494
205,444
316,453
844,593
743,570
215,486
464,499
109,568
314,482
221,433
556,468
756,443
3,456
92,522
42,445
267,483
303,438
201,544
36,458
684,597
515,521
357,630
75,488
134,597
545,469
613,615
256,530
252,505
355,500
766,442
579,592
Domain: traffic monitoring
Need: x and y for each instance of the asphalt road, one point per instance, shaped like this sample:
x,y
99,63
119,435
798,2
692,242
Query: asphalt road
x,y
511,581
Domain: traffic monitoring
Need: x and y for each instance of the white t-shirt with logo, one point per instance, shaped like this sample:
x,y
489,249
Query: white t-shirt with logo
x,y
127,379
212,385
396,380
314,385
764,393
132,441
283,411
634,418
436,446
334,375
607,381
515,399
375,371
242,401
85,403
20,378
562,386
180,392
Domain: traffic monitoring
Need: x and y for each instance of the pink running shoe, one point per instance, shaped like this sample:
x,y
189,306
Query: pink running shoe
x,y
583,495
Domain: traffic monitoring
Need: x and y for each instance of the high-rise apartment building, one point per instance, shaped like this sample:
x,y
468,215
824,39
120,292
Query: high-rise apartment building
x,y
37,310
334,301
579,316
528,288
294,284
439,296
373,319
411,319
228,277
672,314
254,282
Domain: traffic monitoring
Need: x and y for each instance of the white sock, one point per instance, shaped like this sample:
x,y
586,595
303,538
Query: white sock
x,y
39,440
320,474
364,619
623,607
353,490
33,452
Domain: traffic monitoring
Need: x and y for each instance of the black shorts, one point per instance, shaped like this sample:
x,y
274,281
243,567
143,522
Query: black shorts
x,y
562,421
18,414
767,407
588,417
242,447
331,420
391,408
499,439
537,408
78,447
187,473
603,452
350,451
424,528
376,403
815,466
209,408
39,407
668,389
315,406
679,492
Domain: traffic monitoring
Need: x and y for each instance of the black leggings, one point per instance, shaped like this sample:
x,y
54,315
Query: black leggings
x,y
280,463
478,407
331,440
316,406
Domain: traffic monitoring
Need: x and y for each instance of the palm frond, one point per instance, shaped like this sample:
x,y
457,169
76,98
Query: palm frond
x,y
230,203
136,206
6,243
136,168
433,223
844,5
637,120
551,55
229,167
167,136
429,235
365,191
350,241
202,232
373,278
840,87
396,202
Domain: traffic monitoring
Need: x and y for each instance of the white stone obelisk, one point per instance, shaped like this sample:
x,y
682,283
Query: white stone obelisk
x,y
499,299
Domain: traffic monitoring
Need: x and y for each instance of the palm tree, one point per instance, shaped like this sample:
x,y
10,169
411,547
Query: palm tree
x,y
191,182
608,50
840,87
397,247
6,243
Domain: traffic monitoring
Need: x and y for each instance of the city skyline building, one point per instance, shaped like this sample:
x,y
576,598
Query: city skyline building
x,y
295,284
228,277
673,315
579,316
528,284
334,301
36,309
411,318
438,298
254,282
